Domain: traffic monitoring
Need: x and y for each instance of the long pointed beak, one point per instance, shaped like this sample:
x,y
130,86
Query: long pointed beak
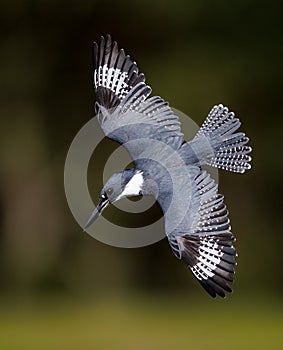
x,y
103,204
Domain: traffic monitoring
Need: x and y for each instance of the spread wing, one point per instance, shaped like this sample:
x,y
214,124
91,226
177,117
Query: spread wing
x,y
125,110
204,239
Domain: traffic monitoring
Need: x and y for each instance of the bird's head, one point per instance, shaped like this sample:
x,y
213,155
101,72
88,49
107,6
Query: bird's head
x,y
126,183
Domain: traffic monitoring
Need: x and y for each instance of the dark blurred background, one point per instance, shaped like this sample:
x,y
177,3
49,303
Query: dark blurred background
x,y
61,286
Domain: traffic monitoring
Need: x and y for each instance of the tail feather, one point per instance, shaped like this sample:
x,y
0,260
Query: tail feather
x,y
225,148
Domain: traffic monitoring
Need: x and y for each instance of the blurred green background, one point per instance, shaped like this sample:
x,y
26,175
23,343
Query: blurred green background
x,y
62,289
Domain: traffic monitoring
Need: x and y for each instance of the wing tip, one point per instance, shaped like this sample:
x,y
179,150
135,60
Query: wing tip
x,y
215,289
212,263
114,71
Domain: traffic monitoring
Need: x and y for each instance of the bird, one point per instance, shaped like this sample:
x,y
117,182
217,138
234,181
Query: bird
x,y
167,167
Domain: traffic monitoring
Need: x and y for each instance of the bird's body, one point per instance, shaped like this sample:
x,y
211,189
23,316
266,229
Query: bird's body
x,y
168,168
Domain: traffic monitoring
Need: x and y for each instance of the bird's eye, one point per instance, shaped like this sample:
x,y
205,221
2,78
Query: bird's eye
x,y
109,191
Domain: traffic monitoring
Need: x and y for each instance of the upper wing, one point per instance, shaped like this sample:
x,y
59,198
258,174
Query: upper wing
x,y
204,239
125,111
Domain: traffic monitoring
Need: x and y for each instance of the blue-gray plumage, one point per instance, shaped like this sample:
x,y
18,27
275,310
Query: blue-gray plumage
x,y
168,168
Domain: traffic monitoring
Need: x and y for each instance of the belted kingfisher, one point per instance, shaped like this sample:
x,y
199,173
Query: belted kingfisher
x,y
165,166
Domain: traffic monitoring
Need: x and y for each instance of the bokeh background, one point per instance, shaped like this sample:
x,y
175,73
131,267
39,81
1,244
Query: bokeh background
x,y
62,289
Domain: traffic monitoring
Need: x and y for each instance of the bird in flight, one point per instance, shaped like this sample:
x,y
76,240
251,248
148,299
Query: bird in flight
x,y
166,167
